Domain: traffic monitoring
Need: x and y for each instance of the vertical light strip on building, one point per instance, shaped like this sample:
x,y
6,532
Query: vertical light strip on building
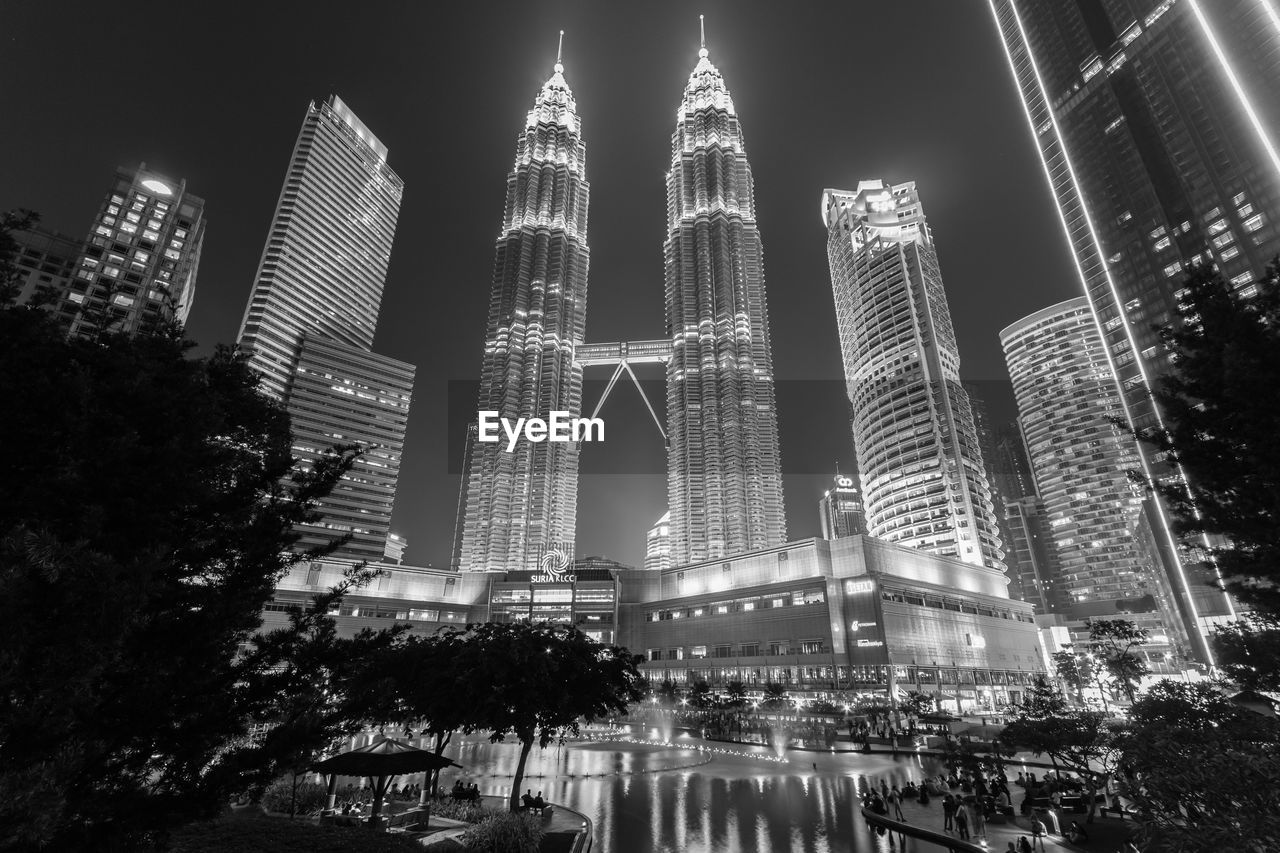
x,y
1165,525
1235,82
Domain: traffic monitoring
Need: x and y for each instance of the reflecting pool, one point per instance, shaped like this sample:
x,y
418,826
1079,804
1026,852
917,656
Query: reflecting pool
x,y
700,796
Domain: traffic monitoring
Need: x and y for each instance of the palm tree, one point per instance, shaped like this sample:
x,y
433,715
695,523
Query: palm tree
x,y
774,695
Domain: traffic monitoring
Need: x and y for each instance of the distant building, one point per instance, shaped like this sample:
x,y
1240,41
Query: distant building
x,y
840,620
140,260
922,478
513,504
1067,398
309,325
600,564
724,463
45,260
840,509
657,549
395,548
1030,556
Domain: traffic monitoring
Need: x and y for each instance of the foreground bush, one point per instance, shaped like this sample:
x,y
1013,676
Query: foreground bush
x,y
504,832
279,797
281,835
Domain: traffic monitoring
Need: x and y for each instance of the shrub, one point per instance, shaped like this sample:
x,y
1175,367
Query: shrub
x,y
466,811
281,835
504,832
279,796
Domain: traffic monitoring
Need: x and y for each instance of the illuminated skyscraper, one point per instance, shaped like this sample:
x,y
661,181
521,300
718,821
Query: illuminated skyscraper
x,y
657,545
840,509
516,504
325,262
308,329
923,483
1067,397
1156,121
724,465
140,260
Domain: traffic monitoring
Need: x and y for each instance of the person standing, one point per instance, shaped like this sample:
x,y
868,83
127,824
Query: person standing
x,y
948,812
895,800
962,821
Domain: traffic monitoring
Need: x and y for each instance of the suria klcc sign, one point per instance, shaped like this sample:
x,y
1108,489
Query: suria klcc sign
x,y
554,565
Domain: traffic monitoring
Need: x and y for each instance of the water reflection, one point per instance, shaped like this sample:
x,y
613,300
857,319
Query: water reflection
x,y
644,799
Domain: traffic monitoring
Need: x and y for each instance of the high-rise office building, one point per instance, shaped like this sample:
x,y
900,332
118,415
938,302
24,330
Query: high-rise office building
x,y
1067,398
923,483
325,261
346,395
1156,121
840,509
657,545
309,325
140,260
724,463
1030,556
515,504
1010,489
46,261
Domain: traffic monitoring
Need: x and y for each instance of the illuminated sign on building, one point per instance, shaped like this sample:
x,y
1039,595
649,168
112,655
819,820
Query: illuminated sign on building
x,y
855,587
866,643
554,564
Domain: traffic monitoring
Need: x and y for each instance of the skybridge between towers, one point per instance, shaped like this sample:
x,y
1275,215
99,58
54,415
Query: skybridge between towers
x,y
621,355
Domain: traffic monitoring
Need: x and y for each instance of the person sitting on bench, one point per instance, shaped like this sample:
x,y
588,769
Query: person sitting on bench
x,y
526,801
538,803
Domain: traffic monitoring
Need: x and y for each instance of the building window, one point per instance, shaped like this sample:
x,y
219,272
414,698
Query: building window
x,y
810,647
724,651
698,652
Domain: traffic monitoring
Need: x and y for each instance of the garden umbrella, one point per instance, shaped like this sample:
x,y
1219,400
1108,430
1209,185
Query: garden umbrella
x,y
382,761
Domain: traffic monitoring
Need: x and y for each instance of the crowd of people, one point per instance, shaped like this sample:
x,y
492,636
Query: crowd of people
x,y
464,792
969,801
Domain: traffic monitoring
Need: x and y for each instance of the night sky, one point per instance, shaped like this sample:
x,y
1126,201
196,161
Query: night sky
x,y
828,94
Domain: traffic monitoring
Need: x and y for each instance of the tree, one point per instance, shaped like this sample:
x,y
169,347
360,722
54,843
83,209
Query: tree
x,y
147,514
535,681
10,274
700,695
1072,670
1248,651
1113,641
1074,739
1201,771
1220,410
918,704
413,684
775,695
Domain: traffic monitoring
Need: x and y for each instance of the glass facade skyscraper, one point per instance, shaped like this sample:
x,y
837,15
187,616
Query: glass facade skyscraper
x,y
325,262
1067,398
309,325
140,260
923,482
1156,121
515,505
724,465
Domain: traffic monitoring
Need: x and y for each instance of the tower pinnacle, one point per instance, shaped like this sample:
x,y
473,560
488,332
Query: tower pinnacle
x,y
702,25
559,67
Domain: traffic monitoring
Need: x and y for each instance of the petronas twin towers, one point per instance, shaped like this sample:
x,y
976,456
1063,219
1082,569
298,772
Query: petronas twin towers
x,y
724,466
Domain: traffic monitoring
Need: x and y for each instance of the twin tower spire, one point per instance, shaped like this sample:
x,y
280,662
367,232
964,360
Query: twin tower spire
x,y
723,461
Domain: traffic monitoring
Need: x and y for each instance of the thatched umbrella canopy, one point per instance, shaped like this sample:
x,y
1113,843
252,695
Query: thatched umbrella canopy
x,y
382,761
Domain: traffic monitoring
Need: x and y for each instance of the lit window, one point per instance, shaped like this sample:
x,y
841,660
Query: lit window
x,y
150,235
1163,243
1230,252
128,228
1253,223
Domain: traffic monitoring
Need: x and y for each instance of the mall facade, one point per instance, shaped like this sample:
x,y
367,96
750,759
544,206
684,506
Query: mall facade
x,y
826,619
